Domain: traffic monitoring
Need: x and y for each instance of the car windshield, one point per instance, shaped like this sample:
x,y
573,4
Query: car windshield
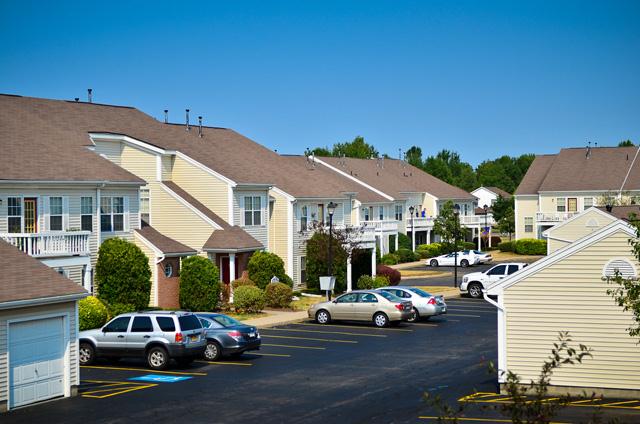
x,y
390,297
226,321
477,252
419,292
189,322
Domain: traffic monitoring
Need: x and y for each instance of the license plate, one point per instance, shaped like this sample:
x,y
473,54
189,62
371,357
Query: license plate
x,y
193,338
252,335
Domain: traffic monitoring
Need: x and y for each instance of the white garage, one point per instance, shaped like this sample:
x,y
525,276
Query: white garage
x,y
38,331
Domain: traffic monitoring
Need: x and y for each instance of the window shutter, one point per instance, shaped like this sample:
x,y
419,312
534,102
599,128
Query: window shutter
x,y
623,266
126,213
45,213
65,213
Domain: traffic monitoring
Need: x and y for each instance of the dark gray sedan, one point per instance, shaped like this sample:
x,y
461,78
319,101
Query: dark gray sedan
x,y
227,336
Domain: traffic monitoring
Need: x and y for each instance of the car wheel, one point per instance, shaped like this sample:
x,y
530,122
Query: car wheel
x,y
157,358
475,290
415,316
323,317
380,320
213,351
464,263
433,263
86,354
184,362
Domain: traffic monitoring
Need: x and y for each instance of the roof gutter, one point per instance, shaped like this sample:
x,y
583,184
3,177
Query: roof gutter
x,y
493,302
93,182
42,301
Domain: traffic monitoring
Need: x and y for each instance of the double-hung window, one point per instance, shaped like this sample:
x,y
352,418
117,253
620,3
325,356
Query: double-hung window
x,y
398,212
561,204
588,202
381,213
303,269
304,218
528,224
14,214
144,205
112,214
86,213
252,210
367,217
55,213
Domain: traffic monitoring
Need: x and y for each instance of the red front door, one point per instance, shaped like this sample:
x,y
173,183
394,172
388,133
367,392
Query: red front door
x,y
224,269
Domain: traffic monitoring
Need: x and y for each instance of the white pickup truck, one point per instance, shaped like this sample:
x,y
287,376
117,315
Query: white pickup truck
x,y
475,282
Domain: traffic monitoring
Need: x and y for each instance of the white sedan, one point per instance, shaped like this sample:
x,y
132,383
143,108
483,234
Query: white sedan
x,y
465,259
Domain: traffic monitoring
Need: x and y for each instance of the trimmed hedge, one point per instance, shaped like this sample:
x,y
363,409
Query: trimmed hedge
x,y
506,246
393,275
263,266
390,259
366,282
278,295
404,242
116,309
242,281
426,251
92,313
406,255
199,284
531,247
248,299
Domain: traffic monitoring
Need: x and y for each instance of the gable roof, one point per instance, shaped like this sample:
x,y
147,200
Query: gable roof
x,y
594,209
536,173
499,192
560,254
164,244
24,278
622,212
395,178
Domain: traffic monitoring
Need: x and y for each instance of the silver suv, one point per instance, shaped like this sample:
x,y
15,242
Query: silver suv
x,y
158,336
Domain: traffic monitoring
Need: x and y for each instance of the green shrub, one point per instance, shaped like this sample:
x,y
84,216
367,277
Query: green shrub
x,y
530,247
242,282
366,282
122,274
263,266
317,261
390,259
393,275
116,309
92,313
432,250
278,295
199,284
406,255
404,242
506,246
469,246
248,299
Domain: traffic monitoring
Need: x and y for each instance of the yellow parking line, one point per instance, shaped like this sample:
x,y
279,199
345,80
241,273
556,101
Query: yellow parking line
x,y
142,370
297,330
353,326
241,364
608,405
295,347
463,315
282,355
486,420
424,324
121,392
310,338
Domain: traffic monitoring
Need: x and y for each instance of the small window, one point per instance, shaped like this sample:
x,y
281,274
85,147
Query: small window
x,y
588,202
624,268
511,269
304,218
367,217
252,210
368,298
561,204
14,214
398,212
168,270
303,269
141,325
166,324
497,270
86,213
189,322
381,213
112,214
118,325
348,298
205,323
528,224
55,213
144,205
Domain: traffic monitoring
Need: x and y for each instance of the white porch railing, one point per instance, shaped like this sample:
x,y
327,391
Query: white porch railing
x,y
382,226
542,217
419,223
476,219
64,243
361,234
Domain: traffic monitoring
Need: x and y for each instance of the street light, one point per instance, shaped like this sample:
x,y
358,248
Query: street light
x,y
413,236
486,227
456,214
331,208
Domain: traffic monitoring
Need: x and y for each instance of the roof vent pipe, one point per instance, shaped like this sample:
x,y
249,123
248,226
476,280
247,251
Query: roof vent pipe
x,y
77,99
166,116
588,155
199,126
188,128
89,90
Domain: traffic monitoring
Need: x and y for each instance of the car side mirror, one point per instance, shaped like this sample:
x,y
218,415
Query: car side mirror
x,y
334,301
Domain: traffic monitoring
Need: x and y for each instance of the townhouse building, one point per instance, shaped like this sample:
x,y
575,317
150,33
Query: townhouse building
x,y
559,186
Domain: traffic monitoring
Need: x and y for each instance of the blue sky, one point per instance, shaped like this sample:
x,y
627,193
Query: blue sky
x,y
482,78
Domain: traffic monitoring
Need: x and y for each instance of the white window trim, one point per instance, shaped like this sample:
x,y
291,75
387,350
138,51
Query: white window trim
x,y
83,214
525,224
125,214
562,200
21,216
253,211
627,262
61,215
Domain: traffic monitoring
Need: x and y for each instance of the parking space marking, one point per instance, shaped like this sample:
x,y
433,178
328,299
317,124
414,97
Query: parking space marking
x,y
316,339
297,330
486,420
295,347
354,326
483,397
280,355
240,364
463,315
141,370
112,388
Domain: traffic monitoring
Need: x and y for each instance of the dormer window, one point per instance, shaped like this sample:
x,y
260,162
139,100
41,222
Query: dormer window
x,y
252,210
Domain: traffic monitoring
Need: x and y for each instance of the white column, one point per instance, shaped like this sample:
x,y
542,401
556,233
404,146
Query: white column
x,y
479,238
397,241
428,236
413,239
232,274
373,261
86,278
489,235
349,277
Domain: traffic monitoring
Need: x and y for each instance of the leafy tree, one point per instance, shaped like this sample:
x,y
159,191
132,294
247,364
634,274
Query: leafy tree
x,y
447,166
263,266
123,275
321,151
626,143
414,156
507,224
448,226
358,148
504,215
505,172
199,284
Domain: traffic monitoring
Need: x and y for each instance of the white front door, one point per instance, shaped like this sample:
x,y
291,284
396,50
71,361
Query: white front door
x,y
36,360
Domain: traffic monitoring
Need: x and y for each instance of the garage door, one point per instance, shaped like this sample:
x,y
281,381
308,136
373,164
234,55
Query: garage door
x,y
36,360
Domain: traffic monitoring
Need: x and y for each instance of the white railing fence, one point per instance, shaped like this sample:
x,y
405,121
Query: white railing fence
x,y
65,243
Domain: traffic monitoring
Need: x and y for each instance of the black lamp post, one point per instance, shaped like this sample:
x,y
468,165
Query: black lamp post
x,y
413,236
486,226
331,208
456,214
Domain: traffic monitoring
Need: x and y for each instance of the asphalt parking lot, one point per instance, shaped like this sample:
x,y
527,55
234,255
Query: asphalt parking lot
x,y
304,373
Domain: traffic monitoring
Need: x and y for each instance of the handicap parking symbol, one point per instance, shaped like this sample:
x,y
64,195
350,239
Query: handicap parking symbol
x,y
155,378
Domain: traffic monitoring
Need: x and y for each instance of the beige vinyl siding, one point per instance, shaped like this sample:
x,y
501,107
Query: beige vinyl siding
x,y
553,245
259,232
11,314
570,296
151,255
167,167
279,231
111,150
211,191
428,202
582,225
526,206
177,221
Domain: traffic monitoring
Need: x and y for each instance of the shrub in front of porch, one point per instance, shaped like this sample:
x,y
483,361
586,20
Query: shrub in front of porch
x,y
366,282
390,259
426,251
404,242
263,266
92,313
393,275
199,284
406,255
318,259
249,299
530,247
278,295
122,275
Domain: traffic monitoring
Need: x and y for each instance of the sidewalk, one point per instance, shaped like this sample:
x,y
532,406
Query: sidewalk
x,y
277,318
446,292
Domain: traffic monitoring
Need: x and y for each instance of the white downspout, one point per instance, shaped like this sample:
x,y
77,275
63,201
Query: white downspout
x,y
502,335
